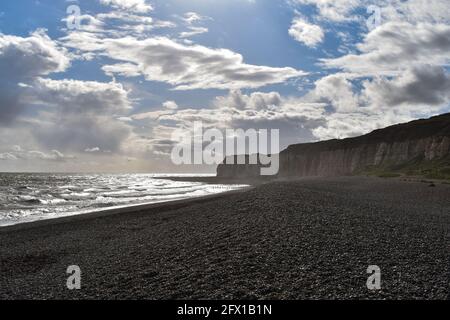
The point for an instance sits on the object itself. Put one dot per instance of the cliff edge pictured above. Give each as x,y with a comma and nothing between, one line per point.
420,147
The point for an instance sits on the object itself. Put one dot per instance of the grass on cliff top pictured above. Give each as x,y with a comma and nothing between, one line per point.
436,169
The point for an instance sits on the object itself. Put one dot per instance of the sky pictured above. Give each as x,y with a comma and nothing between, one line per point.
101,85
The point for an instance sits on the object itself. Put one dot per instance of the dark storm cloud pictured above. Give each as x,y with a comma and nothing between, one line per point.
21,61
426,85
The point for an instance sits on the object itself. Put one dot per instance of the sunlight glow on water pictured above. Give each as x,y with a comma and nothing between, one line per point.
31,197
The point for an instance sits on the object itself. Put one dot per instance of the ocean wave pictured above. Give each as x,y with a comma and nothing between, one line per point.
34,197
28,200
77,196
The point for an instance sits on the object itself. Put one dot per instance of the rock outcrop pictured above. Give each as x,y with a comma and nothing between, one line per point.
416,142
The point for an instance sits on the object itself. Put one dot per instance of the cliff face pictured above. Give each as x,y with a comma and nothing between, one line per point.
339,160
240,171
415,142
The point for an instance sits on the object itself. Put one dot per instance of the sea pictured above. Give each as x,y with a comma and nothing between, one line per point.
27,197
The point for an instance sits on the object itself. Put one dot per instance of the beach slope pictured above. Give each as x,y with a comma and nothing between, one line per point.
305,239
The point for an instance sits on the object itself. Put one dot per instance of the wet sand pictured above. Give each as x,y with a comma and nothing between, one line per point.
305,239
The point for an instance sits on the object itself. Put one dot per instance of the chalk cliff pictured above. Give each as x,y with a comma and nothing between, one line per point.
419,143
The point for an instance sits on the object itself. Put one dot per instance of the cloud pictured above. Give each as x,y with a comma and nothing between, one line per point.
67,114
7,156
153,115
88,97
140,6
170,105
381,101
344,125
116,23
119,23
22,59
181,64
337,91
84,22
192,17
186,67
36,55
397,73
419,92
395,46
81,112
309,34
92,150
54,155
400,70
19,153
413,11
193,31
258,110
255,101
334,10
333,109
73,133
422,85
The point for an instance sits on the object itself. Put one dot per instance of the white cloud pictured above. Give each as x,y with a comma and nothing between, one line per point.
70,113
35,55
344,125
54,155
333,109
153,115
185,67
78,113
74,97
22,59
334,10
413,11
423,85
309,34
118,22
86,22
170,105
192,17
140,6
396,46
18,154
259,110
398,73
418,93
337,91
255,101
193,31
7,156
400,68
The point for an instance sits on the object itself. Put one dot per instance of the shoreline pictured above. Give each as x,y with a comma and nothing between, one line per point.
128,209
284,240
175,204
